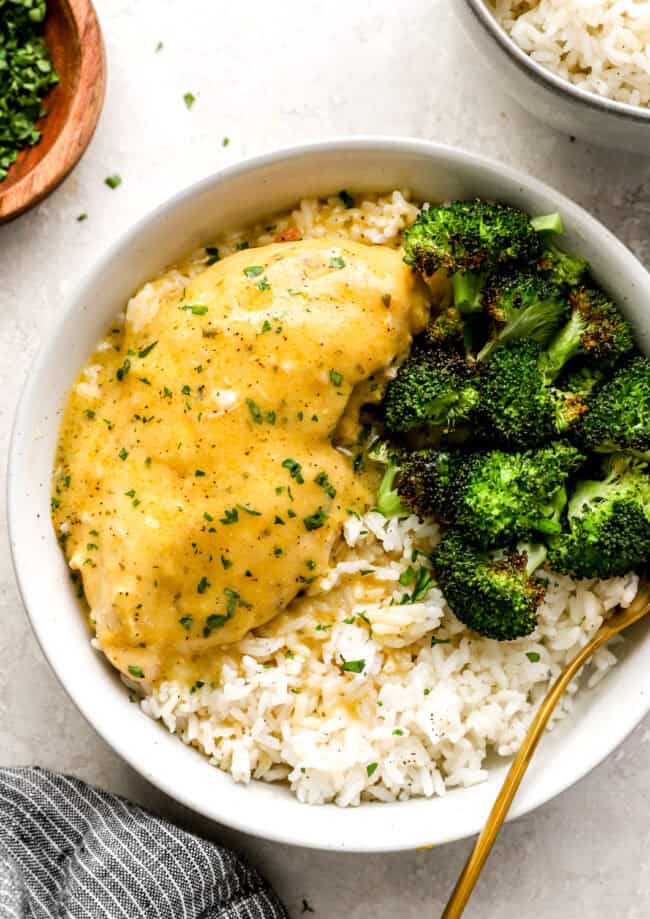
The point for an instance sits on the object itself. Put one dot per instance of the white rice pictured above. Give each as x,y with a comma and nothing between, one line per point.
430,699
603,46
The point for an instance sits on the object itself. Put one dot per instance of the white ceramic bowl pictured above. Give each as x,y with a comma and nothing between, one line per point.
242,193
548,96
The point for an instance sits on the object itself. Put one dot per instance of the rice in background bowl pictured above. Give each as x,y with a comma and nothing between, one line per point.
237,197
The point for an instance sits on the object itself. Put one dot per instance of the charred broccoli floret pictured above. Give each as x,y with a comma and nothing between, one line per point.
522,305
519,409
560,267
434,391
469,239
446,329
595,329
608,523
494,593
494,498
619,413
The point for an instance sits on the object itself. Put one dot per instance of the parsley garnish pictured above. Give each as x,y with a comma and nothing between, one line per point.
335,377
295,469
230,516
249,510
322,480
439,641
346,198
199,473
194,308
337,262
90,413
254,271
316,520
352,666
186,622
136,671
371,769
123,370
148,349
203,585
256,413
123,454
532,656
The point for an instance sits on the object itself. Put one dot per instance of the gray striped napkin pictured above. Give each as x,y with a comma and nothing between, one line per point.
69,850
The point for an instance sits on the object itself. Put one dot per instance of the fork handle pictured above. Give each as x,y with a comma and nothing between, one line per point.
474,865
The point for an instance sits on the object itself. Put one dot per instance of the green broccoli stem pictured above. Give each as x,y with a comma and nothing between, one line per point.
548,223
562,348
388,500
468,287
536,554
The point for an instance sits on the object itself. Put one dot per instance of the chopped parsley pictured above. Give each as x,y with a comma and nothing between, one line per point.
123,370
136,671
335,377
199,473
371,769
123,454
113,181
90,413
213,255
148,349
186,622
266,326
316,520
225,563
407,577
256,412
398,732
196,309
263,284
249,510
352,666
439,641
423,584
230,515
225,142
295,469
203,585
532,656
323,482
189,99
254,271
337,262
208,517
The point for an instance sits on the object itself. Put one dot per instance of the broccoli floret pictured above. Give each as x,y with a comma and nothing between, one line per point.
519,409
560,267
469,239
434,390
447,328
609,523
493,593
522,305
388,499
595,329
494,498
619,413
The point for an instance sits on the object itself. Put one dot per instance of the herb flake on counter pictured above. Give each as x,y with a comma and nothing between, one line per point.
113,181
82,217
189,99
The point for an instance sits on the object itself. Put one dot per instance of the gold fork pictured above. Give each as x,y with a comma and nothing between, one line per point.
618,622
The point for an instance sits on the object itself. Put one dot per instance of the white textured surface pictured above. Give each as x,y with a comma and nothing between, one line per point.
267,75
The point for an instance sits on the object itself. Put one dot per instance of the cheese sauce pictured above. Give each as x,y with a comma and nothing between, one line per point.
199,485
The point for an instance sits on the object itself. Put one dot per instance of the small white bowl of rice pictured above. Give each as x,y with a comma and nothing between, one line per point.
581,66
409,749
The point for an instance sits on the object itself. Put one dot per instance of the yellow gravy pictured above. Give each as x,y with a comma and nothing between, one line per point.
197,488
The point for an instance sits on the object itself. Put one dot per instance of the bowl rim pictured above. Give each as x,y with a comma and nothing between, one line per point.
20,554
548,78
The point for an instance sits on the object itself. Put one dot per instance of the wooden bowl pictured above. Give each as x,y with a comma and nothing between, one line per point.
74,39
